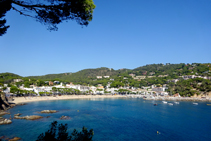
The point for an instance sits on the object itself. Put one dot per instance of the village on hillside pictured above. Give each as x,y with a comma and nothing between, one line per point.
60,88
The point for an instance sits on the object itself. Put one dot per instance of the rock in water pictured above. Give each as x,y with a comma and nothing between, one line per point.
3,113
33,117
65,117
15,139
20,104
5,121
18,114
48,111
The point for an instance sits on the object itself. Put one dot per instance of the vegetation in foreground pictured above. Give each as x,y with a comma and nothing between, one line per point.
59,133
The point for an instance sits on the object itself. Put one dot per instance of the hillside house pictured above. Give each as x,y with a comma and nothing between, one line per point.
133,75
139,77
99,77
158,89
162,75
17,80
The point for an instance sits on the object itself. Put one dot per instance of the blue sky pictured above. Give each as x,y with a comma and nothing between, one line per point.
122,34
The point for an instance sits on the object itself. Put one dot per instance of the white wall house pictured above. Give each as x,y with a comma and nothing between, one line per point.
83,88
158,89
17,80
99,77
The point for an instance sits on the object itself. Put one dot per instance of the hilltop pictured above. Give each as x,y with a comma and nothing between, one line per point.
83,76
175,76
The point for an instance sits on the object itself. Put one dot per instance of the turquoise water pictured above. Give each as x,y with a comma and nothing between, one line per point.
117,119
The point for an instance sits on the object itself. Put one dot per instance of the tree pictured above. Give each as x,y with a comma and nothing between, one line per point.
59,133
49,12
14,89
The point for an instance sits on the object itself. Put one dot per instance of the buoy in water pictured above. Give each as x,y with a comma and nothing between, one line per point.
77,110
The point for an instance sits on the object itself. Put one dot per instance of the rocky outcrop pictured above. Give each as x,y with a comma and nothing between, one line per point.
5,121
65,117
48,111
15,139
33,117
18,114
21,104
3,113
3,102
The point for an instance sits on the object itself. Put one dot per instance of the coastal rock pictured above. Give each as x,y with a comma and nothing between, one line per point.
48,111
21,104
3,102
12,105
5,121
18,114
33,117
3,113
65,117
15,139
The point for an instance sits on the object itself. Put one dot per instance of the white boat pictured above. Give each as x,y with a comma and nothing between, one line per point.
195,103
170,104
164,102
176,102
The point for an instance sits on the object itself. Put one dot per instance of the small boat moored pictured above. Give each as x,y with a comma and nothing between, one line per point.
170,104
164,102
195,103
155,104
176,102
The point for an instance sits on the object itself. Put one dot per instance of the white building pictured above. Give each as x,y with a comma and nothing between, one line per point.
140,77
99,77
158,89
112,90
17,80
83,88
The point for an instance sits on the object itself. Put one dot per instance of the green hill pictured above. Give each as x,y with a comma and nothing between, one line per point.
88,76
8,77
81,75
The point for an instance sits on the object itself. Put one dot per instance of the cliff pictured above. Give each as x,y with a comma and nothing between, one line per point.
4,104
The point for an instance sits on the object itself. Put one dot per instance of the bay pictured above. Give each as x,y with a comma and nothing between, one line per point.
116,119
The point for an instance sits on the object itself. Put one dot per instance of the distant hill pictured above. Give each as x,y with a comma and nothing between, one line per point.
158,68
8,77
80,75
88,76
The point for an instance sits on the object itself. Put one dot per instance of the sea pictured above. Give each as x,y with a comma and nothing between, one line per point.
114,119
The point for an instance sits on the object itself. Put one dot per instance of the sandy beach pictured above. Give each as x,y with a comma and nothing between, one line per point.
18,100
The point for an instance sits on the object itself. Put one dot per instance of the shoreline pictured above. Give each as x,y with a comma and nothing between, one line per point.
19,100
179,99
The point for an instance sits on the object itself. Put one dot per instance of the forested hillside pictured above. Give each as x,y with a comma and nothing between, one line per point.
8,77
81,76
154,74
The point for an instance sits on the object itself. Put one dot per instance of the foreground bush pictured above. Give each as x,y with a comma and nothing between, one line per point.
59,133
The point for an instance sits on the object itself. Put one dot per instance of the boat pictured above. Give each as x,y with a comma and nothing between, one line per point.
209,104
195,103
176,102
155,104
164,102
170,104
